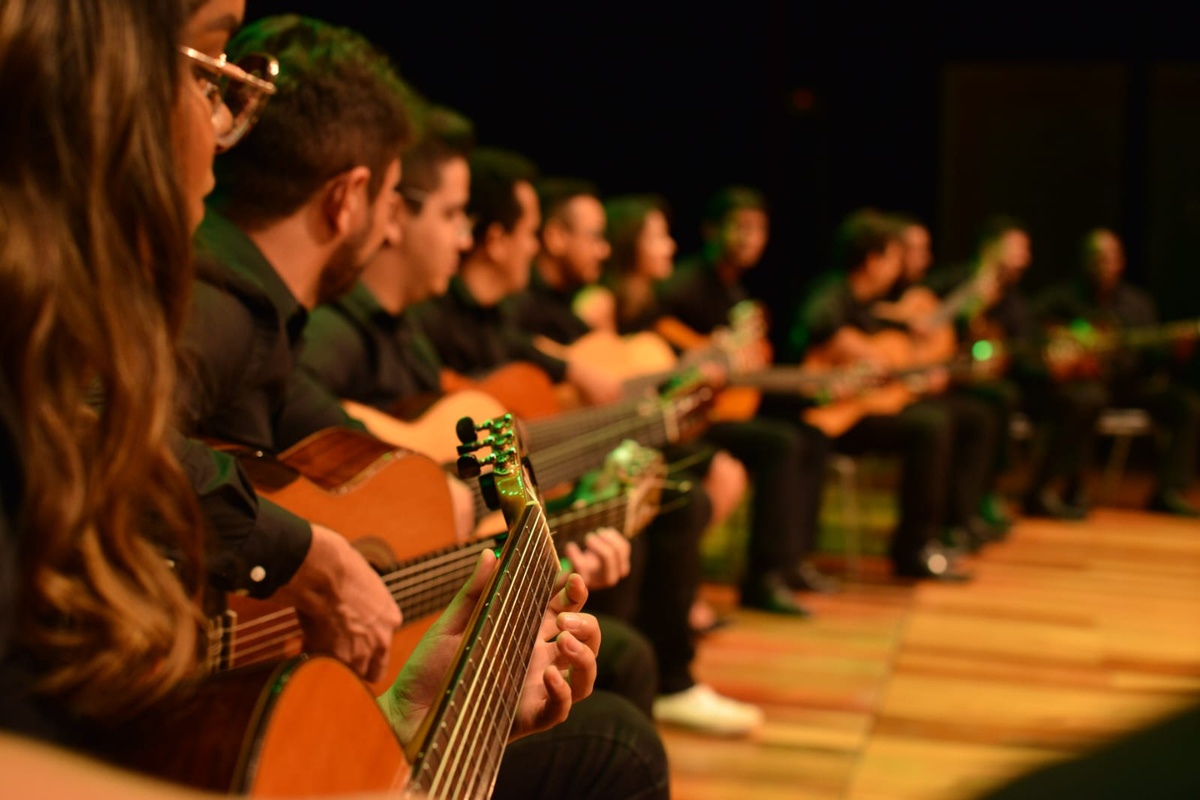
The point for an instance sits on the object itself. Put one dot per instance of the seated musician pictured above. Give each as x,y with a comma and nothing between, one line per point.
945,448
666,558
912,303
1134,377
469,325
1066,411
286,230
101,543
786,462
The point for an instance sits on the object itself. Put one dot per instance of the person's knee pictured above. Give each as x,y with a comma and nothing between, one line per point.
725,484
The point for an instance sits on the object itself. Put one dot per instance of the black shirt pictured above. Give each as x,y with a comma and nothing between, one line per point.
357,350
1126,307
829,307
240,384
473,339
546,311
697,297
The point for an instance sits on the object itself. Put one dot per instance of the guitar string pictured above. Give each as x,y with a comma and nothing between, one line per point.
498,648
410,594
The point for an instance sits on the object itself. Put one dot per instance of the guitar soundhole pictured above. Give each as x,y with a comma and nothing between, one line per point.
377,552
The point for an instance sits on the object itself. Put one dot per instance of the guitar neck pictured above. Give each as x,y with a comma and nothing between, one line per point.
458,750
1156,335
420,586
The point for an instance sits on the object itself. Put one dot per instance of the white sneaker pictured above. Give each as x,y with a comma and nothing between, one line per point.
702,709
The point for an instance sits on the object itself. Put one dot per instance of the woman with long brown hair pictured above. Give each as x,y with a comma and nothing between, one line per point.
93,248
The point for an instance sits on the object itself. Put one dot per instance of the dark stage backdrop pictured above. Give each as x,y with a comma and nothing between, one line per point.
1070,116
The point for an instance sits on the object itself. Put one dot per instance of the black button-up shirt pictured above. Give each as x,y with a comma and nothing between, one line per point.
238,384
474,339
359,351
829,307
1126,307
697,297
546,311
239,349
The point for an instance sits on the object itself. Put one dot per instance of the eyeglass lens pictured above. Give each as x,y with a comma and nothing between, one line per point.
244,101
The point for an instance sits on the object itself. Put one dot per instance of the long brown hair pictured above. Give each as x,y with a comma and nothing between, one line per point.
93,283
626,218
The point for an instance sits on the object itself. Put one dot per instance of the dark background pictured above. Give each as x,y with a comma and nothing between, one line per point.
1067,116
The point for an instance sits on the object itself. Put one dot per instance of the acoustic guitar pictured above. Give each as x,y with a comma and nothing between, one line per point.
307,726
625,496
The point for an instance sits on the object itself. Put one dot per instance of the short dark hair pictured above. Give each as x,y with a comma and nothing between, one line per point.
903,221
863,233
339,104
626,219
996,226
494,176
733,198
556,192
445,135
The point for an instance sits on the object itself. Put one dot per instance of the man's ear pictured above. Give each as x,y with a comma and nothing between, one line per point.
345,200
393,231
495,243
554,237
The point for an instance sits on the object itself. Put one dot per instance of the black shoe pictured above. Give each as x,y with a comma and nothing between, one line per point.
980,532
992,511
807,578
770,593
1172,502
1047,503
957,542
933,563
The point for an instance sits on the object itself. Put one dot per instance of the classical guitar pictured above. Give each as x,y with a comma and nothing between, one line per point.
307,726
1080,349
625,495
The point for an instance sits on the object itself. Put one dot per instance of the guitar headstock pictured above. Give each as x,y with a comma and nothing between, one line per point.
686,400
509,484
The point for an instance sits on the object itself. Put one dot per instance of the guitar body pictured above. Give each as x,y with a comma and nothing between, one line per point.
939,343
300,728
520,387
391,504
893,349
432,434
623,357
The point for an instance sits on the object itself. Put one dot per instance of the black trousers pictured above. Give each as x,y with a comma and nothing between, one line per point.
626,665
1003,399
1066,414
977,433
605,750
922,436
787,462
663,580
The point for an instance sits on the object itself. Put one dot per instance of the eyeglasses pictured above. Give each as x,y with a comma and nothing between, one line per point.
241,89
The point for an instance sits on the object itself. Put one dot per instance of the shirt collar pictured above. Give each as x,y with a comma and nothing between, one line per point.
361,304
229,248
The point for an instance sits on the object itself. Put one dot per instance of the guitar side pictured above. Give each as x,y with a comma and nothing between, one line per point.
303,727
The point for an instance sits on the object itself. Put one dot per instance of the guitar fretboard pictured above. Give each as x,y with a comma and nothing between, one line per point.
461,755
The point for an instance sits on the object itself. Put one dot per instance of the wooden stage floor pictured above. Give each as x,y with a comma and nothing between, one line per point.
1069,634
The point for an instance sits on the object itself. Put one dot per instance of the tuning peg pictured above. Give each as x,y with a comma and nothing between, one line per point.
469,467
466,430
